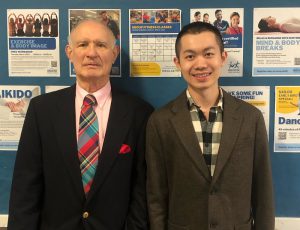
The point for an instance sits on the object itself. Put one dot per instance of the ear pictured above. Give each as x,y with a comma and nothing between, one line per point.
177,62
68,50
224,57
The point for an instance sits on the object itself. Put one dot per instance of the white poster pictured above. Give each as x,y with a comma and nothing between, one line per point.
109,17
276,42
230,23
152,36
33,42
287,119
259,96
14,101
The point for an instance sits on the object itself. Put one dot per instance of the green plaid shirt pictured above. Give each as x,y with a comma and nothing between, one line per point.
209,131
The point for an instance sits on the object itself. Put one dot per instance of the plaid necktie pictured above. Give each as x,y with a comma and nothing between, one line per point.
88,141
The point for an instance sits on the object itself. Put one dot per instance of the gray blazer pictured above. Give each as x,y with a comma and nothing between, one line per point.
182,194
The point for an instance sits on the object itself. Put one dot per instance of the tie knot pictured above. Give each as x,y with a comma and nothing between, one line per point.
89,100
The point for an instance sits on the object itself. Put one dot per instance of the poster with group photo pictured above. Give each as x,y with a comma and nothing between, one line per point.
287,119
152,36
230,22
110,18
14,101
276,42
33,42
258,96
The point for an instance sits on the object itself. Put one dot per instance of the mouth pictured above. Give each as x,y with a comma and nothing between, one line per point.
201,75
92,65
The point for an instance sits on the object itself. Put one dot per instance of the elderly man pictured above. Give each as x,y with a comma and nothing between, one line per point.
80,162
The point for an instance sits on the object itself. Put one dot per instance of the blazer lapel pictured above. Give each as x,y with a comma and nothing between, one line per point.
231,126
117,127
65,129
184,128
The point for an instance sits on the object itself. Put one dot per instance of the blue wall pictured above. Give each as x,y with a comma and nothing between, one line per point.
158,91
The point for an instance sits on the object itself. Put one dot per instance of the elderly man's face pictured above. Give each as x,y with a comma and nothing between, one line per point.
92,51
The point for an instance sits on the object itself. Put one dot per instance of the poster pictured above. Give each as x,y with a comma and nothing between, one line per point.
287,119
109,17
230,22
258,96
14,101
276,42
152,36
33,42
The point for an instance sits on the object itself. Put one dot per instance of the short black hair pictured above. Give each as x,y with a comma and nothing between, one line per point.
217,11
197,13
197,28
264,27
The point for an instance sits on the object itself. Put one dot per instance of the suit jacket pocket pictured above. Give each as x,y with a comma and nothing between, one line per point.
172,226
246,226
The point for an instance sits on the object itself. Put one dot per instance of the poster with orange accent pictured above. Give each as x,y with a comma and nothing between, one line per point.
287,119
152,42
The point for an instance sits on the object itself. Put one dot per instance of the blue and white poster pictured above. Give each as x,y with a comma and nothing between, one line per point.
230,23
276,42
14,101
33,42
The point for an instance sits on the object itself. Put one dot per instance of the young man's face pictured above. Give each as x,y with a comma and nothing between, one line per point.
197,18
200,61
219,15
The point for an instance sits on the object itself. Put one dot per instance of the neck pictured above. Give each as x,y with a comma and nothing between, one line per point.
205,98
92,86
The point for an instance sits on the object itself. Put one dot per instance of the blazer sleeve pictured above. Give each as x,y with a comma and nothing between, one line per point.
27,185
138,216
262,189
157,186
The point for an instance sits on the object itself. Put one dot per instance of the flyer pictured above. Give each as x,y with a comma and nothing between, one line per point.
230,22
287,119
109,17
33,42
258,96
276,42
14,101
152,36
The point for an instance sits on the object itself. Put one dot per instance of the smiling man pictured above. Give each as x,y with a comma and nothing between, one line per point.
80,164
207,152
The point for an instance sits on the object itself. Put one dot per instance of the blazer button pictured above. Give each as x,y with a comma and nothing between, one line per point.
85,215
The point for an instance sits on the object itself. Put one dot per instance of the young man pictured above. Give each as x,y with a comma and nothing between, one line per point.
221,24
80,163
207,152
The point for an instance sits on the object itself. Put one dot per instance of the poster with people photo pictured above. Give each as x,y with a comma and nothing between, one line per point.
276,42
230,22
152,36
110,18
33,42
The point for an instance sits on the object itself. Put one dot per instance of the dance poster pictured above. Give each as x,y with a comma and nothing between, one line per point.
287,119
33,42
276,42
14,101
152,36
109,17
230,23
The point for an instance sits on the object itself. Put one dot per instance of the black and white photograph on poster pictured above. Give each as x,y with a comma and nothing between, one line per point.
230,23
110,18
33,42
276,42
14,102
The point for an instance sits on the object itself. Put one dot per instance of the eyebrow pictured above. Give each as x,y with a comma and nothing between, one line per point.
204,50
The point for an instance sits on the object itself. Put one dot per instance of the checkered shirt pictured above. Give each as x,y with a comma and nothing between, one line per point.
208,132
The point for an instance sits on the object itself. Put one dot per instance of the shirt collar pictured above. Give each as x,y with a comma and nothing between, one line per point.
191,102
101,95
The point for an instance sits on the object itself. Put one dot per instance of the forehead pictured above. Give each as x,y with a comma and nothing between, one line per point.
199,41
92,30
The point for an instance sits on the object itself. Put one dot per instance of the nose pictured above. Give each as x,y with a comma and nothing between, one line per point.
200,63
91,51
